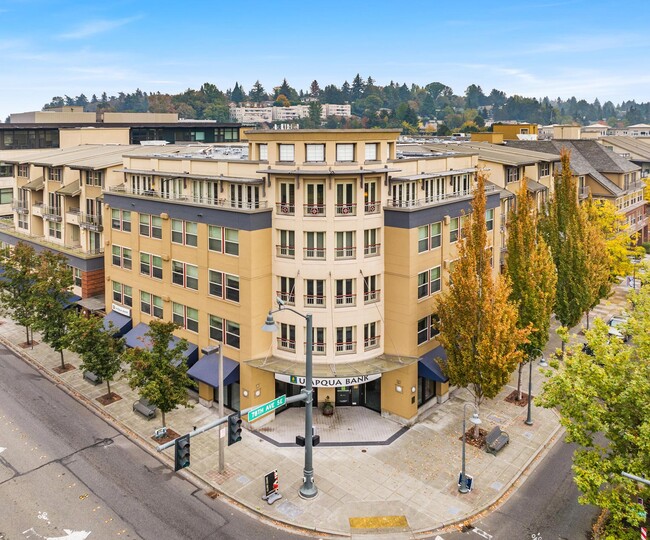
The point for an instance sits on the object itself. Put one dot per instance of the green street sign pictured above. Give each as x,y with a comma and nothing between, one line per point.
267,408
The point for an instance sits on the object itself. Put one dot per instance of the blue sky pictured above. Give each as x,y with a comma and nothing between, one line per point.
586,48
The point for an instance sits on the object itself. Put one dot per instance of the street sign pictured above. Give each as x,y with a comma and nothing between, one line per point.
469,480
267,408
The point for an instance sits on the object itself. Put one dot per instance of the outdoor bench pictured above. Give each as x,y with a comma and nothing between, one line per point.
92,378
496,440
146,409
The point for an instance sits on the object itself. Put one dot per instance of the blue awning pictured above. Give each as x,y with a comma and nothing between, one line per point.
136,338
121,323
70,300
429,368
206,370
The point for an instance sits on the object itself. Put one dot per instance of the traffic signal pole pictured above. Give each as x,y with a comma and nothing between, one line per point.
221,450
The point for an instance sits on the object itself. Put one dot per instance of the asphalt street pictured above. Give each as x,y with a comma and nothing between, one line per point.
65,473
545,507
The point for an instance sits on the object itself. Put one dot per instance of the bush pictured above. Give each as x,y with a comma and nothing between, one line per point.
646,246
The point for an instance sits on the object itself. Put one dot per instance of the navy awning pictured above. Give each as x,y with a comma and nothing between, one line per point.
136,338
70,300
429,368
206,370
121,323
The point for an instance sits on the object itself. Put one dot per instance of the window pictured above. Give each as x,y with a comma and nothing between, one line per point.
427,328
216,328
151,226
315,152
454,224
435,231
371,198
121,220
55,174
423,239
287,291
184,232
315,245
185,317
345,296
345,339
94,178
263,152
434,189
315,194
151,304
76,276
544,169
345,197
318,340
370,336
222,237
23,170
232,334
512,174
232,331
54,229
315,292
287,204
151,265
122,294
6,195
345,248
428,282
344,152
287,246
287,337
216,282
286,152
371,289
122,257
372,151
371,242
489,219
185,275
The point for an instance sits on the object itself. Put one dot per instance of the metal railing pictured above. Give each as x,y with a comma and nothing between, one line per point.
345,209
90,221
287,297
371,296
203,201
315,210
346,346
288,252
285,208
371,250
371,342
372,207
52,213
286,344
433,199
19,206
345,252
346,300
314,253
314,300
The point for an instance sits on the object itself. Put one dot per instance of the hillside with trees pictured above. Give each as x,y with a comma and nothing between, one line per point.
393,105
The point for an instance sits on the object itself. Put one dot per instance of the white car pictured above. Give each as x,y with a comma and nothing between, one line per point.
614,327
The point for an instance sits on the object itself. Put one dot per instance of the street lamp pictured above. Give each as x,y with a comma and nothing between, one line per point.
542,363
308,490
476,421
210,350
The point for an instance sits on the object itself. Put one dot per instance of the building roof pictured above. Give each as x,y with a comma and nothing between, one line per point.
506,155
73,154
632,145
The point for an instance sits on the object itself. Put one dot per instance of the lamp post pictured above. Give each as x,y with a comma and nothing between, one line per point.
209,350
308,490
476,421
542,363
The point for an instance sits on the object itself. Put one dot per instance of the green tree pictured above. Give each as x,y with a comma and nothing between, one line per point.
478,321
257,93
603,404
17,284
51,299
99,348
315,111
237,94
562,229
314,89
159,373
356,92
529,265
598,262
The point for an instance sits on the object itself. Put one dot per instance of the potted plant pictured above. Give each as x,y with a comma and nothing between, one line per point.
328,408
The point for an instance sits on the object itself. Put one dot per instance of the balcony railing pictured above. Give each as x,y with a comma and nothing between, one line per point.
345,252
314,210
314,253
371,296
318,348
433,199
287,344
314,300
346,209
583,192
372,207
285,208
52,213
371,250
345,300
287,297
288,252
20,207
203,201
346,346
371,342
91,222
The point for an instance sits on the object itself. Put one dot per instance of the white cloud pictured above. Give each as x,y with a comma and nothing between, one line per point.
91,28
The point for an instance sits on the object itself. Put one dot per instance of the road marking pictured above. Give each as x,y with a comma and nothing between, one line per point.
70,535
482,534
2,449
378,522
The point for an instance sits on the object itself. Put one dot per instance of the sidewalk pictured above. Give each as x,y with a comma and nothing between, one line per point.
410,475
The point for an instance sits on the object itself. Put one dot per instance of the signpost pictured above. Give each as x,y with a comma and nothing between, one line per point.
266,408
271,487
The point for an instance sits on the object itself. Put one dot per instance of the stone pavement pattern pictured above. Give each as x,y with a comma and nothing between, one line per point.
414,476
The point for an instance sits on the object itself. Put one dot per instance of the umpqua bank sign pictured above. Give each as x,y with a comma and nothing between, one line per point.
328,382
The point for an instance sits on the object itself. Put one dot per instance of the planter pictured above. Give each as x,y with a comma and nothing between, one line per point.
328,409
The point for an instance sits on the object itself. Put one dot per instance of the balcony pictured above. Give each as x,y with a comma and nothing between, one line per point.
286,344
37,209
285,209
345,209
434,199
583,192
371,342
318,348
314,210
370,297
288,298
314,253
346,347
91,222
286,252
314,300
52,213
72,216
372,207
342,253
20,207
371,250
345,300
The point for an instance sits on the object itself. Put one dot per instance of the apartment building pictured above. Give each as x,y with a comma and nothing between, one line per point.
253,115
330,222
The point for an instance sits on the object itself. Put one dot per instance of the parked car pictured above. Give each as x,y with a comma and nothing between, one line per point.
614,327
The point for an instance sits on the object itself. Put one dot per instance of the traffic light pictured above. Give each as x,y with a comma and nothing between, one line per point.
182,452
234,428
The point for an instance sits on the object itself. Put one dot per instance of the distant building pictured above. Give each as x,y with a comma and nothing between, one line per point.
636,130
514,131
258,115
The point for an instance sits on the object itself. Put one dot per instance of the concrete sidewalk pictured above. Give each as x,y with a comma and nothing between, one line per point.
411,474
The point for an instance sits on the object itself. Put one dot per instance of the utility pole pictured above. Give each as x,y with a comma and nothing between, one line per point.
221,449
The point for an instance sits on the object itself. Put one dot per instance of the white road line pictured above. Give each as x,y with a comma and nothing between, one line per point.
482,534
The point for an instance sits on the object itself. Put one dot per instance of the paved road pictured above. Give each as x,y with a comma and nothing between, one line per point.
545,507
64,470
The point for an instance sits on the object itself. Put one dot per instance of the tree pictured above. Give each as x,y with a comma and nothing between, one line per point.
100,350
597,262
257,93
237,94
159,373
315,111
602,399
314,89
562,229
358,85
530,268
51,299
17,284
477,319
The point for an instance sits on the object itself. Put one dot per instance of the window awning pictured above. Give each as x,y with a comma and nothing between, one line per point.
429,368
534,187
206,370
35,185
121,323
71,300
71,190
136,338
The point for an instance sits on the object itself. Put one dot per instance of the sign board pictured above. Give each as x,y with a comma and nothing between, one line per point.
469,481
267,408
327,382
121,310
271,484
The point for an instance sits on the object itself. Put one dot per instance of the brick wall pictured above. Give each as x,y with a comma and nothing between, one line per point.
92,283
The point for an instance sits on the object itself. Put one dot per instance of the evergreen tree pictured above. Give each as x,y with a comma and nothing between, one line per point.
358,85
315,111
257,93
314,89
477,319
346,91
530,268
237,95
